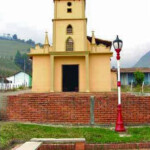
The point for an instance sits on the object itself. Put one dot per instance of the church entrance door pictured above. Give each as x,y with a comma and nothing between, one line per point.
70,78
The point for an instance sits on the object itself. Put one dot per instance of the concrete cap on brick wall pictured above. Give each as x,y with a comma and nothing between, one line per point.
30,146
62,140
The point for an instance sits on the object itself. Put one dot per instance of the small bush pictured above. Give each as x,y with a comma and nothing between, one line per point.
21,87
139,77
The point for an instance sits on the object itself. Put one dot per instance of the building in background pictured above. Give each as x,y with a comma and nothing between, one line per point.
75,61
3,83
15,81
127,75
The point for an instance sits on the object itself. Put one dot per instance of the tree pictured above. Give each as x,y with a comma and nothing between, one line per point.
15,37
23,62
30,41
139,77
27,64
18,58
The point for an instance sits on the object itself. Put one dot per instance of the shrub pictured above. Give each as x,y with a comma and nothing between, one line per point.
139,77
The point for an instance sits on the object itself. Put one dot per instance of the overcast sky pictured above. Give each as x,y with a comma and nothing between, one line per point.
130,19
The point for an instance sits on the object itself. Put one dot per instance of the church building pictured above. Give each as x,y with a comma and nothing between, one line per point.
75,62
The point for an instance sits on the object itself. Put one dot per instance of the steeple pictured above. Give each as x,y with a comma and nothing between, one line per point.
69,21
93,38
46,39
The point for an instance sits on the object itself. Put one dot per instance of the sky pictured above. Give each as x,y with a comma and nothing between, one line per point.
130,19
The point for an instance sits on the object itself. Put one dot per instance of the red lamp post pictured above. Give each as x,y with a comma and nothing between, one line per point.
119,123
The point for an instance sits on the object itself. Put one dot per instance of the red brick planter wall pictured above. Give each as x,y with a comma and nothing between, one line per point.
57,147
117,146
74,108
95,146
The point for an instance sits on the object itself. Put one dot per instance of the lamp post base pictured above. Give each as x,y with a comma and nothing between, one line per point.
119,123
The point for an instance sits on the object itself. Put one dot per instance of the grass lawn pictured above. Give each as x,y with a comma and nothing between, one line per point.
23,132
135,89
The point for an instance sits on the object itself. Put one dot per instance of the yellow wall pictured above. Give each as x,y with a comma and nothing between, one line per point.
102,48
41,74
78,36
59,61
100,79
100,75
78,10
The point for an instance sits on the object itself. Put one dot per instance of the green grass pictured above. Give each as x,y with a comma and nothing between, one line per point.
9,48
135,89
24,132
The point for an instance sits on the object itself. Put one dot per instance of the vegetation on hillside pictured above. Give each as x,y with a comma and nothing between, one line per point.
23,61
15,38
9,46
8,67
13,132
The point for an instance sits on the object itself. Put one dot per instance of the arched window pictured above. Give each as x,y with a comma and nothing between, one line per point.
69,29
69,44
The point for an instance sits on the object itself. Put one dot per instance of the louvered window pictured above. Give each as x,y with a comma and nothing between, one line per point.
69,44
69,29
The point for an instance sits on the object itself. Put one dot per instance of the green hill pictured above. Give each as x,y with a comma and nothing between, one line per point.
144,61
8,67
8,49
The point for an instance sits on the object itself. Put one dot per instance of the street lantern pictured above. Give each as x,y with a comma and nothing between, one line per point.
119,123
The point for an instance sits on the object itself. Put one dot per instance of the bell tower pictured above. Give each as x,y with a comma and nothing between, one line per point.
69,26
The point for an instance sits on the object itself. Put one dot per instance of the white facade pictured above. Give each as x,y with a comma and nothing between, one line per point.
17,80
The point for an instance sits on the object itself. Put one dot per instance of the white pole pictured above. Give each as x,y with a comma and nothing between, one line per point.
119,87
143,87
24,72
131,85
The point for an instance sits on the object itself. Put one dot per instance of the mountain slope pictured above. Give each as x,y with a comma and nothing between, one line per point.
144,61
8,48
8,67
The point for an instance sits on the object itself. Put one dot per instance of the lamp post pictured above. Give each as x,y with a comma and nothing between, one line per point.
119,123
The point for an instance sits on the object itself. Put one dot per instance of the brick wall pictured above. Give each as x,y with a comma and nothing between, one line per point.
96,146
57,147
75,108
117,146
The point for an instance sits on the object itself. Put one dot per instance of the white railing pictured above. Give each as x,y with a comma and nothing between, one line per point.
10,86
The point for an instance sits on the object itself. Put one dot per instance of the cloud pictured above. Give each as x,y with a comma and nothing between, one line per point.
128,18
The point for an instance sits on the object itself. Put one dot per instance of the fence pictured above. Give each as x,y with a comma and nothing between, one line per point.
10,86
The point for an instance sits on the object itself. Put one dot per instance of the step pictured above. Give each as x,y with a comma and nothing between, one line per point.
61,140
30,146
